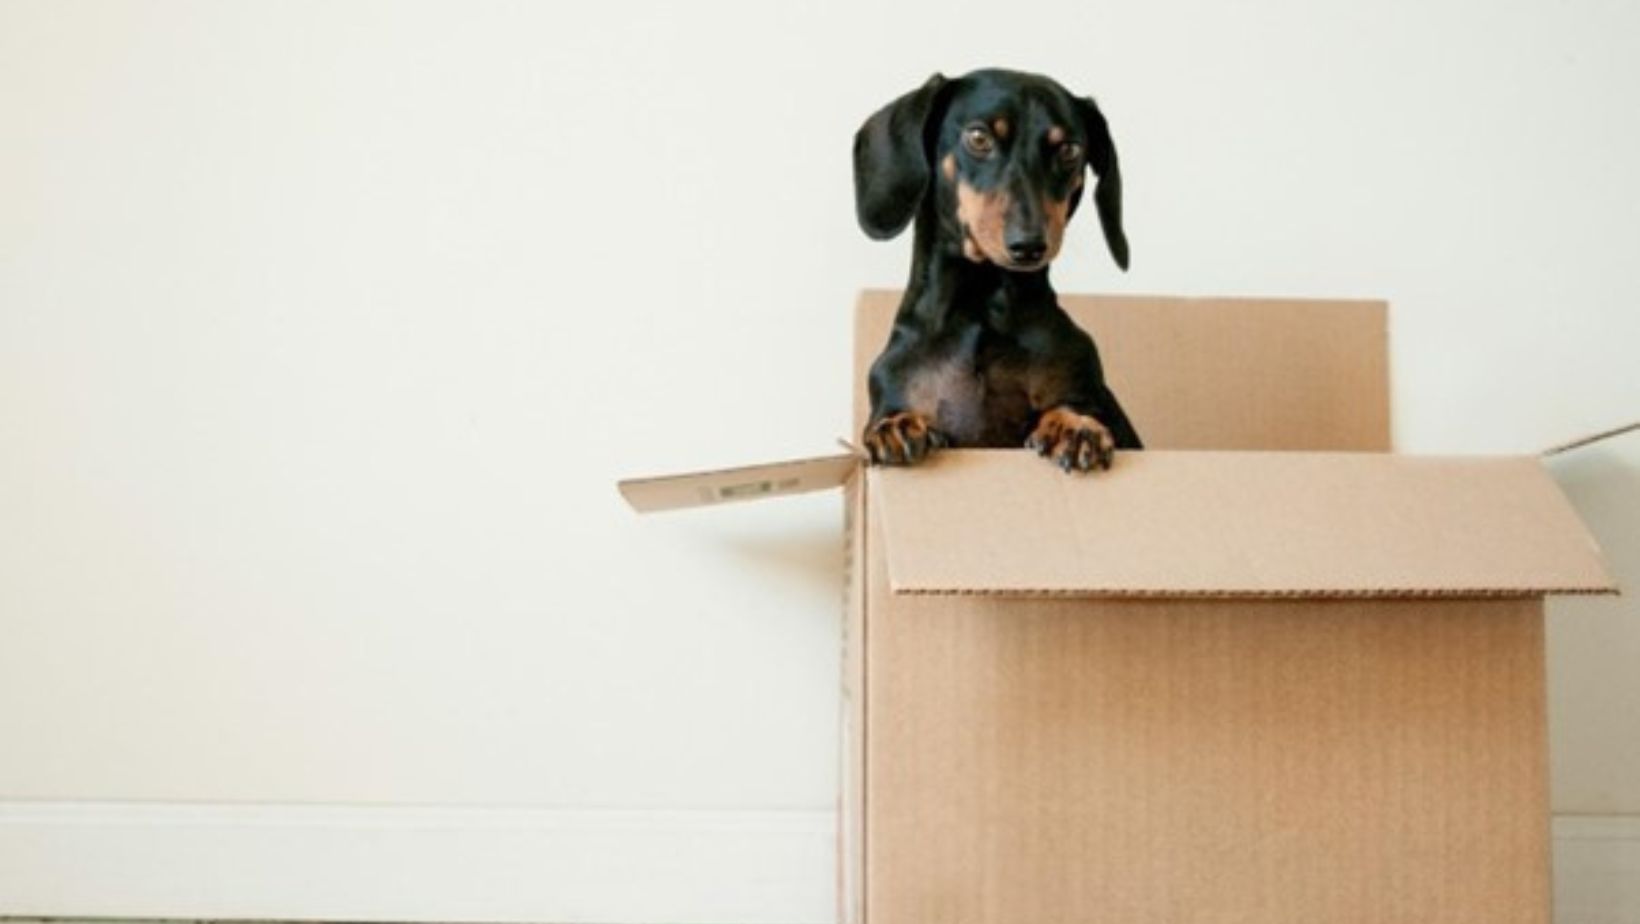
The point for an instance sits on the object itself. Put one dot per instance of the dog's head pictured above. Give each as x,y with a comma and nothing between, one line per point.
1000,154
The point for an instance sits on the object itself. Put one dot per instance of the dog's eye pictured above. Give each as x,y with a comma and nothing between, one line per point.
978,140
1070,153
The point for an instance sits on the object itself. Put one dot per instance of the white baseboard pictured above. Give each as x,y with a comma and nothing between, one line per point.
394,863
1597,869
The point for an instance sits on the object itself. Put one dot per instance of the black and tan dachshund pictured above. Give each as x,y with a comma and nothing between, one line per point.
990,167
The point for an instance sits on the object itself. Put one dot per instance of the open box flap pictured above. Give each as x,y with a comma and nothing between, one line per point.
1234,524
1305,375
750,482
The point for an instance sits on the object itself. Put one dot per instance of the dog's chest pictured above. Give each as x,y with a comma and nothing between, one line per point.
977,389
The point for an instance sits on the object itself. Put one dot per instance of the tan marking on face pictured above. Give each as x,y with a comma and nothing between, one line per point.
983,216
999,127
1056,135
1055,214
948,166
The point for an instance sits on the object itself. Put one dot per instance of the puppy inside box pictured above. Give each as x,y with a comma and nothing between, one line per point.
1256,671
990,166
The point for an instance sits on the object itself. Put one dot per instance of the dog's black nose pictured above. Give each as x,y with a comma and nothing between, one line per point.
1027,249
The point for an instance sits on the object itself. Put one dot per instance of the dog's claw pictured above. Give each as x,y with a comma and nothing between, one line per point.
905,438
1074,442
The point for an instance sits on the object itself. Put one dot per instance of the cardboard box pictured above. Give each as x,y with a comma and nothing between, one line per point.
1263,671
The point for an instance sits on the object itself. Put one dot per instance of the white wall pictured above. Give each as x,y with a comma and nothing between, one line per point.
325,330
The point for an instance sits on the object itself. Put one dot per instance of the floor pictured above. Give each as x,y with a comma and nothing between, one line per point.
1597,876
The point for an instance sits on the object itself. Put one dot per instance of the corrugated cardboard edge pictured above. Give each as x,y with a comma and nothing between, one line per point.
1381,593
851,796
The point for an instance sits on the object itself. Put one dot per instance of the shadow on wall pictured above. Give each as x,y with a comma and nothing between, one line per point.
810,557
1603,483
1594,642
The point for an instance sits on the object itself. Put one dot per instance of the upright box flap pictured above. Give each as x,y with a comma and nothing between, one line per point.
726,485
1234,524
1307,375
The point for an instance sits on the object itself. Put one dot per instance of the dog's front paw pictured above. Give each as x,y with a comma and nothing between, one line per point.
1075,442
901,439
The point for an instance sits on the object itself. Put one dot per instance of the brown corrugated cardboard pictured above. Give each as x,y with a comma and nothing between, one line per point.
1223,685
743,483
1164,761
1226,524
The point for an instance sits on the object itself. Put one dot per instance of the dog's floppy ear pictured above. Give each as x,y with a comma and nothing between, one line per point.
1107,193
891,161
